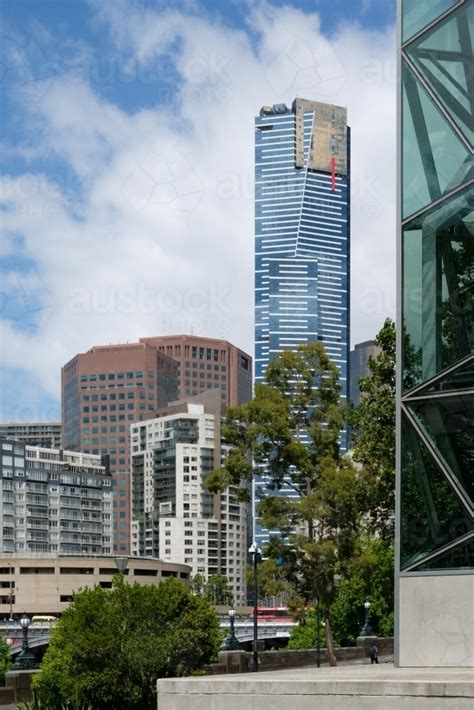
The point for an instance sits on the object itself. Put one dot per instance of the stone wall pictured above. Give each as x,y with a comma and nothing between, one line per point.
17,688
241,661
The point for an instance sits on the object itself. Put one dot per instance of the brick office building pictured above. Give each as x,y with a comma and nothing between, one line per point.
207,363
102,392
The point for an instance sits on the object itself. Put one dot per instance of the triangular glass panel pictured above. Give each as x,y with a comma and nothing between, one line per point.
435,160
417,15
459,557
448,421
456,380
444,57
438,288
431,514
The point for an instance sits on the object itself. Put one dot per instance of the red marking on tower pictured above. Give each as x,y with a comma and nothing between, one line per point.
333,173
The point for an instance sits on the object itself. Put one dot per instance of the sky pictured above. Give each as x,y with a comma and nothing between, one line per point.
126,191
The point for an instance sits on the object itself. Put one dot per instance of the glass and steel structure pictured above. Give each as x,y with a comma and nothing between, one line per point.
435,501
302,230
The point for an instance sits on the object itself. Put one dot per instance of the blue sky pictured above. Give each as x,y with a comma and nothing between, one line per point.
63,32
127,167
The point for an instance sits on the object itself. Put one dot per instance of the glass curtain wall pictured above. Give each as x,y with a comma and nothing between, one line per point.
302,242
436,524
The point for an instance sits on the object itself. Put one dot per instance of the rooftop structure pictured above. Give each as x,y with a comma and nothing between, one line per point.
208,363
45,434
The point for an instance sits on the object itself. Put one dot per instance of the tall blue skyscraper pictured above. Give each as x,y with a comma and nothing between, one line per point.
302,236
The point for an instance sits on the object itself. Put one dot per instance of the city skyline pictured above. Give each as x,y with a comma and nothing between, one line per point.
124,218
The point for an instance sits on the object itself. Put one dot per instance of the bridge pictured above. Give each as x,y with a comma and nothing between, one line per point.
39,633
267,628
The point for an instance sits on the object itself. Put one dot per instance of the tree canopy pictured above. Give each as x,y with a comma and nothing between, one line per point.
5,659
373,435
291,430
216,590
110,646
305,634
370,577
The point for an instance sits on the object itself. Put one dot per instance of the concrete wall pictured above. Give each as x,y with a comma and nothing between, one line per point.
356,687
241,661
17,688
45,584
437,621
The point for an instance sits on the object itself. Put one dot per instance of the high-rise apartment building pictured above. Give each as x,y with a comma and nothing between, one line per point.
45,434
174,517
54,501
207,363
103,391
302,235
435,356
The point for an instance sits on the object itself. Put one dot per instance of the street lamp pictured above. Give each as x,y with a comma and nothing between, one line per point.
231,642
256,558
318,632
121,564
366,630
25,659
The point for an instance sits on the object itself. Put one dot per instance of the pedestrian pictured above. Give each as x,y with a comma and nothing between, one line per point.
374,653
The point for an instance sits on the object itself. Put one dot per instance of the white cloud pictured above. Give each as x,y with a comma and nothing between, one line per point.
160,238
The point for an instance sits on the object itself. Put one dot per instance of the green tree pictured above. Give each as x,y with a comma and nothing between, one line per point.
304,635
197,584
369,578
110,646
292,428
5,659
272,583
217,590
373,433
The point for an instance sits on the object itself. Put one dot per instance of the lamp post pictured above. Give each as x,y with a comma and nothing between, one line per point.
25,659
318,631
121,563
231,643
366,630
256,558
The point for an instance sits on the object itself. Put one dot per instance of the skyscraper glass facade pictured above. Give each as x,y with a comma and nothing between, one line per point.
302,219
436,379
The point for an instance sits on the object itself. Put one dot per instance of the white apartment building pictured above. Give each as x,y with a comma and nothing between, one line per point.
174,517
54,501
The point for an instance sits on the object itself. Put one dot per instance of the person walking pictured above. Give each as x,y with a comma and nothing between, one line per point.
374,653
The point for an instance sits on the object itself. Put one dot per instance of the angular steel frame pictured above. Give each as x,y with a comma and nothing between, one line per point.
401,222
